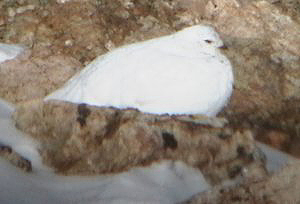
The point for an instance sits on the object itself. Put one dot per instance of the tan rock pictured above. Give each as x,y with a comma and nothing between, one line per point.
264,64
279,188
263,45
277,139
30,76
15,159
81,139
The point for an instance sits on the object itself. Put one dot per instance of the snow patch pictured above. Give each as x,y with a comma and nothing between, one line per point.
8,52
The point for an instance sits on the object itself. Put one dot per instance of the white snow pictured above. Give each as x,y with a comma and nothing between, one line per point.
275,159
176,183
183,73
8,52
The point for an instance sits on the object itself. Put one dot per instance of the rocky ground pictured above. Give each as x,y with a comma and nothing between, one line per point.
279,188
263,39
14,158
87,140
262,36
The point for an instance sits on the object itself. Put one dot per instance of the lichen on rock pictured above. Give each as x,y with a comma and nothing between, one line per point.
87,140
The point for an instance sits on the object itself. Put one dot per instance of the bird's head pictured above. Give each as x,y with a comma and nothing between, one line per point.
202,34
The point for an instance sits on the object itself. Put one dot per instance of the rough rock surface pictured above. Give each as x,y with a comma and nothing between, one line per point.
75,32
263,45
262,35
279,188
264,48
14,158
82,139
32,76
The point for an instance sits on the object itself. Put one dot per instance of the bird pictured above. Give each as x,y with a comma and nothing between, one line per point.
181,73
9,51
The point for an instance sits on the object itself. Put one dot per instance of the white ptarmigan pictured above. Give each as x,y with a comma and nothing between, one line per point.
182,73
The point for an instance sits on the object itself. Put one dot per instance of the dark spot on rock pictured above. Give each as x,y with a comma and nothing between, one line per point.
169,140
113,124
83,113
236,198
4,148
63,166
81,121
224,135
234,171
241,151
25,164
208,41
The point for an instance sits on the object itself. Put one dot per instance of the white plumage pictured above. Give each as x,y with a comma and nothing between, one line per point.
182,73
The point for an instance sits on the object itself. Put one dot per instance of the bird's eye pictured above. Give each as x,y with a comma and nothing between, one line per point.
208,41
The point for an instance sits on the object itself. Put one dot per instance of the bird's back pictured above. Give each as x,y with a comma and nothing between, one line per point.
158,76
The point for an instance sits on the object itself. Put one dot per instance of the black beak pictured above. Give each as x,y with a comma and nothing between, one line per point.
223,47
